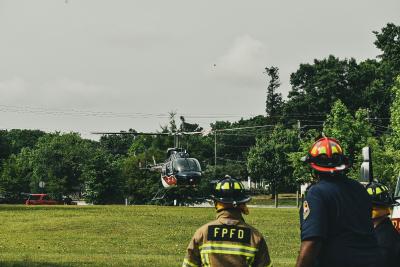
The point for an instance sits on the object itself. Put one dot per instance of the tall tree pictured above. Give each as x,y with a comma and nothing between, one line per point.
268,160
118,144
141,184
172,123
59,160
5,147
351,131
274,100
301,171
23,139
317,86
189,127
13,141
395,115
16,175
388,41
102,180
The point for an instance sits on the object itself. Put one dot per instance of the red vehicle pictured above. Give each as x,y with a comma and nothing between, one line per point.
40,199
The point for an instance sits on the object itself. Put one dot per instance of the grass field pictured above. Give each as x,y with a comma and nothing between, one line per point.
124,236
284,200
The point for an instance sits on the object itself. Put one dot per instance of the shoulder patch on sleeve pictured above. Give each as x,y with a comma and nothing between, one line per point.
306,210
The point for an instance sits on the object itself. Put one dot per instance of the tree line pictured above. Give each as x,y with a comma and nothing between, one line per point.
356,102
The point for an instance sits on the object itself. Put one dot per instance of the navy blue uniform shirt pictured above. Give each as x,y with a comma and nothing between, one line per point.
389,243
337,210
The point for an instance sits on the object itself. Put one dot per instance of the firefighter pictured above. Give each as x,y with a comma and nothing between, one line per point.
229,240
335,218
387,236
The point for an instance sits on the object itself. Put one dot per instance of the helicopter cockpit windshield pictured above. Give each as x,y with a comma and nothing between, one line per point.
186,165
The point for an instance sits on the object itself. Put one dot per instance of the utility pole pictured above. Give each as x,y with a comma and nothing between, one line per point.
215,149
298,191
215,154
299,127
275,193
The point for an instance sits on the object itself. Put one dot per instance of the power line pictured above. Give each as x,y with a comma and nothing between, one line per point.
311,125
231,160
248,135
312,121
243,128
112,114
234,146
379,125
376,118
380,131
77,112
73,112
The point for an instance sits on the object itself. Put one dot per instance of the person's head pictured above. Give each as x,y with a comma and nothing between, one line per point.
381,199
229,193
326,158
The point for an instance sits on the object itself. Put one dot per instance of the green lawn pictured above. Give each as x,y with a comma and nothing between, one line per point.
124,236
284,200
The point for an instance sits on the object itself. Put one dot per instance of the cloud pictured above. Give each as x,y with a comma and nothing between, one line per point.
59,93
243,62
72,92
13,88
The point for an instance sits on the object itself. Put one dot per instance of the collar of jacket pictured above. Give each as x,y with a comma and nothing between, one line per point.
230,216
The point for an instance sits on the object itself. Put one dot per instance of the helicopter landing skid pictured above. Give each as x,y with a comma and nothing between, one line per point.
160,194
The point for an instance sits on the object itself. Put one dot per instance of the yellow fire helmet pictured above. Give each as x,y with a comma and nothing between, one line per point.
380,194
230,191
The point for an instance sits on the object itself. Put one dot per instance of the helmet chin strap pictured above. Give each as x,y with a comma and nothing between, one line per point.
320,175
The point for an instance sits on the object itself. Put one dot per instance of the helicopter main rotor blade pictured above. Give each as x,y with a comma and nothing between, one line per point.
191,133
156,168
128,133
134,133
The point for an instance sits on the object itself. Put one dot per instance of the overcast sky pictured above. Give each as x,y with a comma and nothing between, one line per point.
88,65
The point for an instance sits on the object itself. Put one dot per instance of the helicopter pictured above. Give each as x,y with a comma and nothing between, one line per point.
179,169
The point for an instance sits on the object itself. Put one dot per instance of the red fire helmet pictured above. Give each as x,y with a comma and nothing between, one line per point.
326,155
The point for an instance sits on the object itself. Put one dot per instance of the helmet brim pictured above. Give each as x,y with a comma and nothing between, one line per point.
382,204
329,169
228,200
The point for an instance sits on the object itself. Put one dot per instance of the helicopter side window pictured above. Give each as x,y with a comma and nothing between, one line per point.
194,165
198,165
